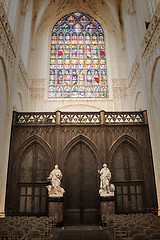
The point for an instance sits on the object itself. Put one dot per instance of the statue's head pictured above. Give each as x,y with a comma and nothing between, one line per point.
104,165
56,166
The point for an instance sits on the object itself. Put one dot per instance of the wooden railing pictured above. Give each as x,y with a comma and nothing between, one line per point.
80,118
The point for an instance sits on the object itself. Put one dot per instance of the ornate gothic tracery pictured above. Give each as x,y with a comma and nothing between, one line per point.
77,58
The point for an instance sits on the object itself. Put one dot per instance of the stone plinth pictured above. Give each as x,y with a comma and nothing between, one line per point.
107,204
55,209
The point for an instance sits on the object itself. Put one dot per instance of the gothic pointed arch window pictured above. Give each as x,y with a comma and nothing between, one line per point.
77,58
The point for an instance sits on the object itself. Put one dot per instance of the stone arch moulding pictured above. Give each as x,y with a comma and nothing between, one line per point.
136,100
134,144
26,146
74,142
153,75
6,78
18,96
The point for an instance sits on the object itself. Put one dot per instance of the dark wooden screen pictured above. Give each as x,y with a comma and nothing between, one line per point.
80,143
129,180
81,185
33,172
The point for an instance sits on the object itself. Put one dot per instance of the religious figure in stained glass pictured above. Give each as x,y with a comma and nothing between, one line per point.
94,39
101,39
102,52
82,76
53,51
74,51
67,52
89,77
74,38
71,20
74,77
81,38
84,20
96,76
81,51
88,51
60,51
60,39
54,39
88,39
67,38
77,58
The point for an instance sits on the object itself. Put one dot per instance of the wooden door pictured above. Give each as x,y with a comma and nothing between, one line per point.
128,179
81,203
32,190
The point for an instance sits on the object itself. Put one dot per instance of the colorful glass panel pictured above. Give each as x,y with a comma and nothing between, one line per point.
91,28
81,38
77,27
77,58
71,20
67,38
84,20
64,28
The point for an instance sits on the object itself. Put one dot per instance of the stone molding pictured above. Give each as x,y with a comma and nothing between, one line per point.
37,83
148,37
149,47
131,7
23,71
8,51
7,29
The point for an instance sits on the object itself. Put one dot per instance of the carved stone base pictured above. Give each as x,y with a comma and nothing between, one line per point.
2,215
55,209
107,204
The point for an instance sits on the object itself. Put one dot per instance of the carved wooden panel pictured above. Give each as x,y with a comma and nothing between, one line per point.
80,145
81,186
128,179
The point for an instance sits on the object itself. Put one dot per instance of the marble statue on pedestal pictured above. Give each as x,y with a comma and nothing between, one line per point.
106,189
55,177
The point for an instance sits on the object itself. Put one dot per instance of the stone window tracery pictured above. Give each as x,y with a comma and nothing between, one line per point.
77,58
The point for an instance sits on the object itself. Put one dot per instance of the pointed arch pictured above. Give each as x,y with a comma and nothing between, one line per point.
26,146
77,140
138,95
133,143
153,73
6,78
73,35
154,84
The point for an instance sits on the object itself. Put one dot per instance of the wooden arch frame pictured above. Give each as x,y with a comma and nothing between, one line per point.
74,142
146,168
14,168
133,143
27,145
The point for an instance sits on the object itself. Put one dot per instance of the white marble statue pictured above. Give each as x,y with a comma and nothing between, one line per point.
55,179
105,187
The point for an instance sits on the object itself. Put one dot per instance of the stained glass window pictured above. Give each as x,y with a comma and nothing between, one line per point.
77,58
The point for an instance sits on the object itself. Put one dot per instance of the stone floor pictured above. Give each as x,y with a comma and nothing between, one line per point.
80,233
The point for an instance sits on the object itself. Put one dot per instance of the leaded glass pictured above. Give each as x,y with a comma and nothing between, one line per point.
77,58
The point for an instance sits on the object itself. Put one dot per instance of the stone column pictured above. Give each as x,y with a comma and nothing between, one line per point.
58,117
55,209
107,205
102,117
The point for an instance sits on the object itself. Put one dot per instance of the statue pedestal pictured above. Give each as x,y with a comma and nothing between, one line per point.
107,204
55,209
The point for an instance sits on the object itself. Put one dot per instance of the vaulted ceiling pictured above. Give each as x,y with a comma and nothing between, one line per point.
48,12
